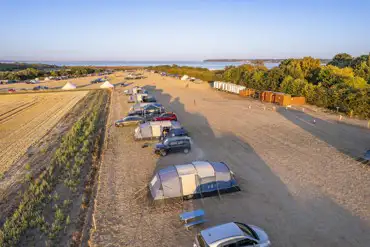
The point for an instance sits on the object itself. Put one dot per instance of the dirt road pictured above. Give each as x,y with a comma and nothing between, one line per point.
299,180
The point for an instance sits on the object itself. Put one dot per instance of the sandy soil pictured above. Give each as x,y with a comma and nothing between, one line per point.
81,83
299,180
24,119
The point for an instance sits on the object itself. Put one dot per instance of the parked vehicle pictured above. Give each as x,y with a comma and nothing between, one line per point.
166,116
173,144
129,120
232,234
175,132
40,88
139,97
149,98
11,90
153,130
142,106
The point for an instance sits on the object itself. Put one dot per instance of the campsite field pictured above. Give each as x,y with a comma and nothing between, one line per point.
299,181
25,118
81,83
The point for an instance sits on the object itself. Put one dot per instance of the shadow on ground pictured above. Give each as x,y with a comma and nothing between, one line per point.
264,200
350,140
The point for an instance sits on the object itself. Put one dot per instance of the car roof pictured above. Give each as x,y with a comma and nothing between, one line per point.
219,232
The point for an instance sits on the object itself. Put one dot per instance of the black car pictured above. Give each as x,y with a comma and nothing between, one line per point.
149,99
175,132
40,88
173,144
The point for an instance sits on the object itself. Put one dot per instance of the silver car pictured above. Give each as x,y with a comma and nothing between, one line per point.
233,234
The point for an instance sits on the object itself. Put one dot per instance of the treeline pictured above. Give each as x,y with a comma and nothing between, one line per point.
200,73
21,66
343,83
31,73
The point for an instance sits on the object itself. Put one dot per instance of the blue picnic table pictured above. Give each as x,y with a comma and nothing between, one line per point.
196,216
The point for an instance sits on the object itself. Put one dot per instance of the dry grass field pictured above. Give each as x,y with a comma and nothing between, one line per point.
25,118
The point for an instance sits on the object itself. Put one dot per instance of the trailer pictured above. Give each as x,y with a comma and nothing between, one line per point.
154,130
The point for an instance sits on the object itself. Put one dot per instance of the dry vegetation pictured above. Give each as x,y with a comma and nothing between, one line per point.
24,119
52,206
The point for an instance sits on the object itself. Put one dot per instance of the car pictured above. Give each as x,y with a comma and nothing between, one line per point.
233,234
129,120
149,99
166,116
11,90
40,88
173,144
175,132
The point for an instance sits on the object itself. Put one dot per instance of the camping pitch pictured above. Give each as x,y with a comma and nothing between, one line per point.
69,86
196,178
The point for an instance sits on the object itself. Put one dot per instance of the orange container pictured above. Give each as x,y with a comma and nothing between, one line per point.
282,99
298,101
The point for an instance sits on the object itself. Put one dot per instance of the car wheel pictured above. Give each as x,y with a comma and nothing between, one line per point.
163,153
186,150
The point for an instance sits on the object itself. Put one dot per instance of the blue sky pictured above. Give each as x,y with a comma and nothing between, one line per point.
181,30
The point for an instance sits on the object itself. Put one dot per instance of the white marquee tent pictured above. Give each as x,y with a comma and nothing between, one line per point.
106,84
69,86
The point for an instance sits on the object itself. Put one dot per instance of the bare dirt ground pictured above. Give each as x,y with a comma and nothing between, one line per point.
26,118
81,83
299,180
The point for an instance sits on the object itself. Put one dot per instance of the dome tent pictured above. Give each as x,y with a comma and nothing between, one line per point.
69,86
196,178
106,84
185,77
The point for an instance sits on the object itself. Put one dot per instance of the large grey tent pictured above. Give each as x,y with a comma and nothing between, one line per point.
189,179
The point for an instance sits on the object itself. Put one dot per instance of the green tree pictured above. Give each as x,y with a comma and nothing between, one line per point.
341,60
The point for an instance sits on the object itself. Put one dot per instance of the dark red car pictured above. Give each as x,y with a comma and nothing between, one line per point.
167,116
12,90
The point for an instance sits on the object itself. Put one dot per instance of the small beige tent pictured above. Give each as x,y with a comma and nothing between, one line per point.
69,86
185,77
106,84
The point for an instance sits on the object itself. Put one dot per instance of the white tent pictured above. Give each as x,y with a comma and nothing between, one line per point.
106,84
69,86
185,77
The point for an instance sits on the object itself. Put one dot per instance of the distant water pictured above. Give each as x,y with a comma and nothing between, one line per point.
208,65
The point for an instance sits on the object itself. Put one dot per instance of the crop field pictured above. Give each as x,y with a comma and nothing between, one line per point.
45,193
26,118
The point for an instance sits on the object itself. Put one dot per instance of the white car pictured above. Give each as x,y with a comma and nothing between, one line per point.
233,234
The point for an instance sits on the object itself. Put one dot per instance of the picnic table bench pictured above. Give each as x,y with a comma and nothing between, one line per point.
195,218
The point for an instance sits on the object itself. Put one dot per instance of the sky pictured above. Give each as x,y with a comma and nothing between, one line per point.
191,30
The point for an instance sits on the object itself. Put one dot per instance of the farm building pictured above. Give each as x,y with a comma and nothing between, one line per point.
191,179
69,86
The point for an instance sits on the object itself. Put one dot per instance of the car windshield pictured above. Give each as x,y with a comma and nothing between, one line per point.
201,241
247,230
